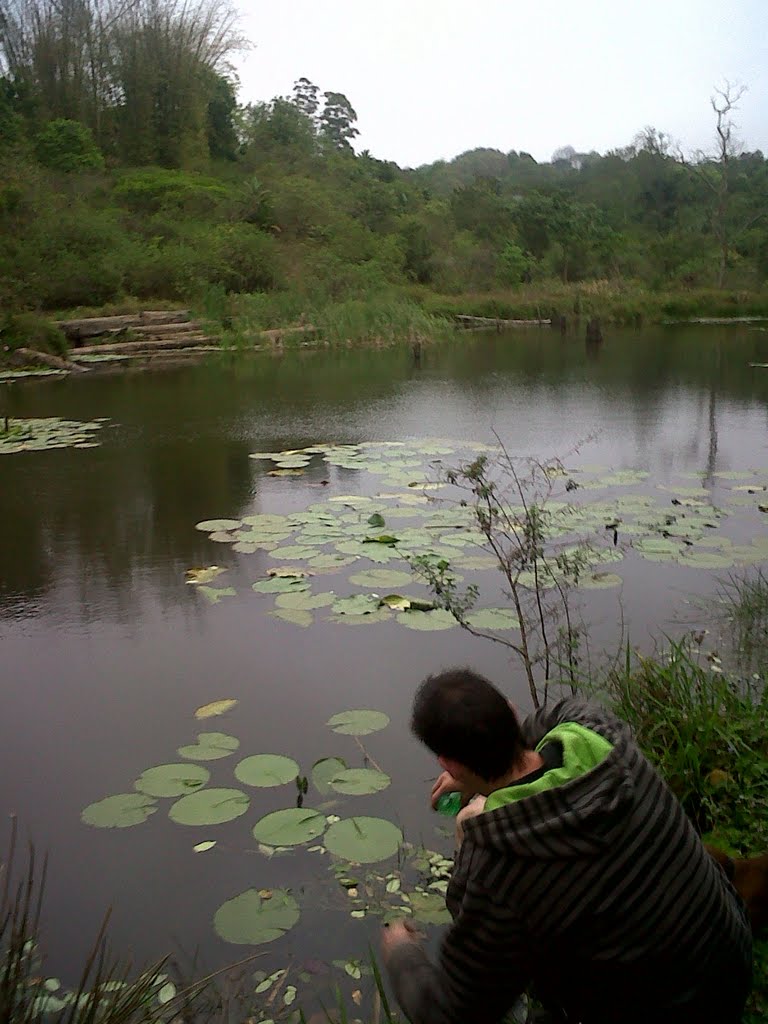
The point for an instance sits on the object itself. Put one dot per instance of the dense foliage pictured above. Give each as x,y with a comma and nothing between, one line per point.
129,169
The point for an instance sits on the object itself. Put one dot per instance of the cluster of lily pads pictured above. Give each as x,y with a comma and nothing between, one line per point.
374,538
36,435
261,915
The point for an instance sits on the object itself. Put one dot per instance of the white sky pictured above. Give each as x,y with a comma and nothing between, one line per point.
432,78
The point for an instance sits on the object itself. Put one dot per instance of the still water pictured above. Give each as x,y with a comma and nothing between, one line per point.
105,653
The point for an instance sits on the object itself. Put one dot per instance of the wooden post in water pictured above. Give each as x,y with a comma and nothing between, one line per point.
594,330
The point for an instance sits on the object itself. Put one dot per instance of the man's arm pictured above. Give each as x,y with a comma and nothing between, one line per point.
483,967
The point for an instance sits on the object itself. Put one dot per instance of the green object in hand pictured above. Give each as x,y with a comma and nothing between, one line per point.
449,804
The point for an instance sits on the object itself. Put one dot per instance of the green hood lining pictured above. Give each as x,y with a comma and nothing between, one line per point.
583,750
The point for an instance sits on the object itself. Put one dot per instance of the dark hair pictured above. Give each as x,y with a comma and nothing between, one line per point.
461,715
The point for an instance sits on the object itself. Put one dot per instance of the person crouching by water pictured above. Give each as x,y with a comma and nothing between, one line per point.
578,877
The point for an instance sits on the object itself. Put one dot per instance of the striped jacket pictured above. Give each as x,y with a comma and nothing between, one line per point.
597,896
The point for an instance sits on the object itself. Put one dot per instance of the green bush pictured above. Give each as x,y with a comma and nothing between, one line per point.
27,330
240,258
152,189
67,146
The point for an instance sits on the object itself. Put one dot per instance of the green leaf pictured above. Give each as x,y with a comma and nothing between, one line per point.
216,707
429,908
209,807
359,781
381,579
296,616
289,827
358,604
380,615
358,723
306,601
395,602
266,770
363,840
216,594
166,993
493,618
218,525
204,847
376,520
439,619
249,920
330,563
384,538
324,770
210,747
171,779
197,576
295,552
280,585
119,811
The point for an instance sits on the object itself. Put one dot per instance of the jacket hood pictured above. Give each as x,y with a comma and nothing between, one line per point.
576,819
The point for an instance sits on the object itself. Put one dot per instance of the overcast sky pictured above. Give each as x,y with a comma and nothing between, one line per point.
432,78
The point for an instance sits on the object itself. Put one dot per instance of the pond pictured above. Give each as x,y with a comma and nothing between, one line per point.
108,652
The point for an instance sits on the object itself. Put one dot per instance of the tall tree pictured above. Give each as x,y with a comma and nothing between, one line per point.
337,121
306,96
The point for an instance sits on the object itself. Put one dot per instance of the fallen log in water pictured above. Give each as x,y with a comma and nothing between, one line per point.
497,322
94,326
25,356
147,345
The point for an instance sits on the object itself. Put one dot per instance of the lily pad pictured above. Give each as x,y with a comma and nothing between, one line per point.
119,811
205,846
359,781
197,576
358,604
493,618
296,616
358,723
324,770
216,594
305,600
218,525
395,602
171,779
706,560
429,908
330,563
210,746
295,551
280,585
380,615
376,520
290,827
363,840
435,620
250,920
600,581
209,807
216,707
266,770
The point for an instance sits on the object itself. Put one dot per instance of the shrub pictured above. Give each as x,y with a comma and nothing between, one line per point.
240,258
27,330
67,146
154,188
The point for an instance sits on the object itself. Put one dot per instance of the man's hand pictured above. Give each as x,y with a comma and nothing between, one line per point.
474,807
396,934
447,784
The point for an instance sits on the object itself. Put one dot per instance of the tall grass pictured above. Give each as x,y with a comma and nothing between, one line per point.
706,732
745,602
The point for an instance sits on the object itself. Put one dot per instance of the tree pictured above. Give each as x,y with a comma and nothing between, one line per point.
220,126
337,122
724,102
67,146
306,96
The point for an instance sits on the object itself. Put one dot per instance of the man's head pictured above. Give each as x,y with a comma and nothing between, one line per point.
463,719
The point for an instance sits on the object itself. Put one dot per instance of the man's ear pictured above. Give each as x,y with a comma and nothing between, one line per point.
455,768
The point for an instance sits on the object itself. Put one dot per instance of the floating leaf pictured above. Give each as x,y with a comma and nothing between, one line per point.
439,619
266,770
296,616
380,615
280,585
376,520
209,807
396,602
381,579
171,779
305,600
706,559
359,781
358,723
600,581
384,538
210,746
295,551
216,594
216,707
330,563
289,827
203,575
119,811
249,920
493,618
288,572
204,847
218,525
324,770
429,908
363,840
358,604
166,993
